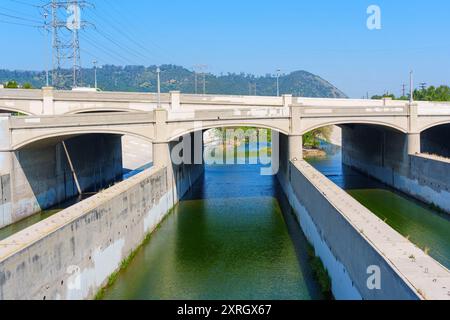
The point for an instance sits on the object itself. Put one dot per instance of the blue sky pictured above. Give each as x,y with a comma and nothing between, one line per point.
325,37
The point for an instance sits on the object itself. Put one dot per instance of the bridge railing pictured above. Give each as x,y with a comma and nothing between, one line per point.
213,100
109,96
339,108
80,120
229,113
26,94
426,108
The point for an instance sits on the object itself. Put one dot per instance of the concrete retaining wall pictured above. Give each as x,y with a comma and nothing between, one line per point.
350,239
71,255
382,154
40,176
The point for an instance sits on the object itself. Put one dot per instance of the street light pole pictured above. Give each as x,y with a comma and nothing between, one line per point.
46,51
158,72
278,82
95,73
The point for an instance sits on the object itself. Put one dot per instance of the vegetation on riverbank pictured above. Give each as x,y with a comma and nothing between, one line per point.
126,262
320,272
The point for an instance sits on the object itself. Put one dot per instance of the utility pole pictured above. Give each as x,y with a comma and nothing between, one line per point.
195,81
278,82
95,73
403,90
66,24
411,87
423,85
47,81
158,72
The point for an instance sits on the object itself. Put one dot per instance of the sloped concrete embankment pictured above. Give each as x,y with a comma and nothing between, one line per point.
72,254
354,244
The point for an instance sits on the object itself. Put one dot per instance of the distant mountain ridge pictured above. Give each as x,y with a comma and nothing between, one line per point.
141,79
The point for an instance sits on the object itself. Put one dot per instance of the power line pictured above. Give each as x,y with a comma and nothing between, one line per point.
25,3
120,31
19,18
17,12
130,23
110,53
20,24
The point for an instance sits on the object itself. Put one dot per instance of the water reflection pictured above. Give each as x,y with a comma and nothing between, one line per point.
231,237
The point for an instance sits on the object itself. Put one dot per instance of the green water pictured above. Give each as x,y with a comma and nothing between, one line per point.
231,237
425,227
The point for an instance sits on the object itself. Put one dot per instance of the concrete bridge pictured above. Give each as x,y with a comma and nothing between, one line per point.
64,141
51,114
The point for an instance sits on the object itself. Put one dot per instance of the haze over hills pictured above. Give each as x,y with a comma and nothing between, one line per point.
140,78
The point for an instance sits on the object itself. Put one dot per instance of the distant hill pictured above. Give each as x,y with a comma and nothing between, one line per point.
140,78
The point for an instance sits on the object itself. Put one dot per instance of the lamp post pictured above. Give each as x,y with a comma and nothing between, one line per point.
278,82
158,72
47,82
95,74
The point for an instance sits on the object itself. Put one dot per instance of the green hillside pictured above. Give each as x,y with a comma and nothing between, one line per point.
140,78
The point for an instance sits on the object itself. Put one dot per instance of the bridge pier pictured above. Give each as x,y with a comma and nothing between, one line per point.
414,143
161,154
295,147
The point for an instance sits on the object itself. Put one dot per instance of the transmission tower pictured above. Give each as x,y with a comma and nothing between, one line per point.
65,25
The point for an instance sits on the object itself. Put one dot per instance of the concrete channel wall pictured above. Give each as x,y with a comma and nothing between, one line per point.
353,243
40,176
72,254
382,154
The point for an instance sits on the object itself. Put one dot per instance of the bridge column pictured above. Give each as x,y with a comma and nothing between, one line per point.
413,143
161,148
295,136
47,101
295,147
413,134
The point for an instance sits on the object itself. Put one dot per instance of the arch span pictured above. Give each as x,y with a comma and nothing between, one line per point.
13,110
349,122
435,125
101,110
178,134
60,136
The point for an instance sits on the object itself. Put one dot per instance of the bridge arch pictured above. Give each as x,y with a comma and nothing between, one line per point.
177,134
101,110
4,109
349,122
434,139
434,125
60,136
